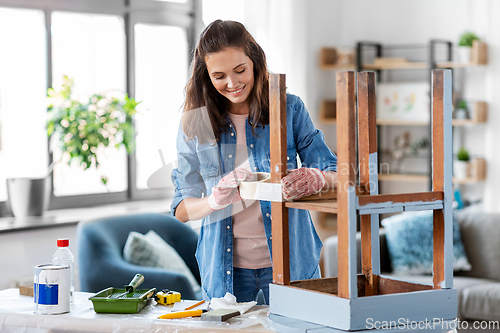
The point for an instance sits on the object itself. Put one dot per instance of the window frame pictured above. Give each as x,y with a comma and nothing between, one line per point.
185,15
150,18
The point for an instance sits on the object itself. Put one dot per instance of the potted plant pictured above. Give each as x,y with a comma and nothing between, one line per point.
465,46
461,164
461,112
28,196
82,126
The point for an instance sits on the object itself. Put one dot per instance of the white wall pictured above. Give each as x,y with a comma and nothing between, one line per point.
280,28
484,18
324,26
22,250
345,22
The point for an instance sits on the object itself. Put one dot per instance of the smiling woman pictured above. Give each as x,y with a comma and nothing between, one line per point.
223,138
203,89
236,83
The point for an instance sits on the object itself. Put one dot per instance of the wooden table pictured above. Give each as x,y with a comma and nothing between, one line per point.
16,315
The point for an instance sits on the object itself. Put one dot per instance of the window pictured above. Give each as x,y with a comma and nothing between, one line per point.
23,81
138,47
91,50
161,75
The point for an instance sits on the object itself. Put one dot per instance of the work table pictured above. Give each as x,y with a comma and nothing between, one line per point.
16,314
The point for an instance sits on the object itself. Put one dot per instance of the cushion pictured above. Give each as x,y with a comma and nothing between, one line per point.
481,302
151,250
409,241
460,283
480,232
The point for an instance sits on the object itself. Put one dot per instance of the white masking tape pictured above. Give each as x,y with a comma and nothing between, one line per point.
261,188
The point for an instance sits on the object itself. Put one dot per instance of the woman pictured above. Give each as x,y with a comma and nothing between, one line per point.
223,138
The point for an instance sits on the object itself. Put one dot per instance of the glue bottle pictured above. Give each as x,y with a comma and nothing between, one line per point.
63,256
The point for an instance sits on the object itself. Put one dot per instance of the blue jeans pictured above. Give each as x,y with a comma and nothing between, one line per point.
248,282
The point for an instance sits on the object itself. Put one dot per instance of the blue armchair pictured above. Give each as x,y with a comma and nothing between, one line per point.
100,253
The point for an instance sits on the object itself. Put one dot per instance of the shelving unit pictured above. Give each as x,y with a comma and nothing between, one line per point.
466,122
329,60
403,177
424,178
338,67
414,65
401,122
396,65
327,113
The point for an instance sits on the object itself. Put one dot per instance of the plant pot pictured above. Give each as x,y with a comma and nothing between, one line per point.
28,196
461,169
464,54
461,114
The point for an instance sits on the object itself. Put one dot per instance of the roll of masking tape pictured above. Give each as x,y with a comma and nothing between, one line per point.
259,187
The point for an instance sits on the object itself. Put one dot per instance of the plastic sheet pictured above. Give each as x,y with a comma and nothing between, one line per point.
16,316
229,302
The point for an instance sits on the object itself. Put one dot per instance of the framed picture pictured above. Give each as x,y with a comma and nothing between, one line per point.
403,101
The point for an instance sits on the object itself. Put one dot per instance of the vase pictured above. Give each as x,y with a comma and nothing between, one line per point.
461,169
461,114
29,196
464,53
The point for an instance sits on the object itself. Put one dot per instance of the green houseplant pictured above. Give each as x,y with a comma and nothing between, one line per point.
467,38
461,165
461,111
463,155
465,45
82,125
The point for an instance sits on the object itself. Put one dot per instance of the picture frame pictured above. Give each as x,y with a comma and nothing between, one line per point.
408,101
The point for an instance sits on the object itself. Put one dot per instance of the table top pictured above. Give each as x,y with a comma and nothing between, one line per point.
16,314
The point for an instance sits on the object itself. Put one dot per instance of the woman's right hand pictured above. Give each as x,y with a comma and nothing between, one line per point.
226,192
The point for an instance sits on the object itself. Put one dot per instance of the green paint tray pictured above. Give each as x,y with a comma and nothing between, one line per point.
124,300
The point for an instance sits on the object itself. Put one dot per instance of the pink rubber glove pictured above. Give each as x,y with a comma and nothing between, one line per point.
302,182
226,192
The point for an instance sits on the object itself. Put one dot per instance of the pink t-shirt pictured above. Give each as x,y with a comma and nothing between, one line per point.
250,248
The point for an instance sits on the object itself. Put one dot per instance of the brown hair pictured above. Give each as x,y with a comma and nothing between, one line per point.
201,93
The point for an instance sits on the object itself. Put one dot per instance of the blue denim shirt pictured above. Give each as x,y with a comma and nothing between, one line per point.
201,166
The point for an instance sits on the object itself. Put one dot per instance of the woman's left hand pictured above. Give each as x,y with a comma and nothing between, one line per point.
302,182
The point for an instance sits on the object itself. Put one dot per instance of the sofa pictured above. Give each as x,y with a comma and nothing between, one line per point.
101,244
478,289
